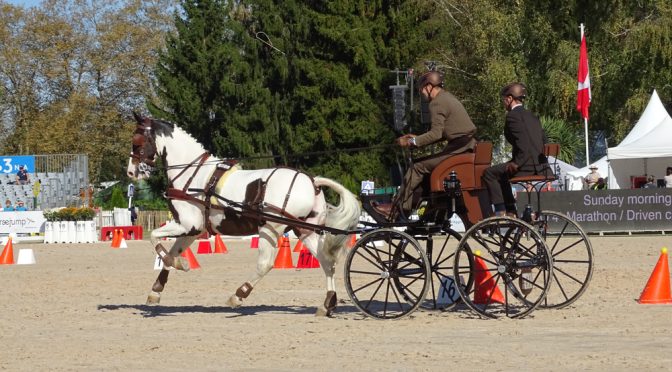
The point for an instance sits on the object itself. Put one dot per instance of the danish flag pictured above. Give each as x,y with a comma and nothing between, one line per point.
583,91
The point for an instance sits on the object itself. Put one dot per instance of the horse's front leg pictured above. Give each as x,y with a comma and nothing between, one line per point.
268,249
172,258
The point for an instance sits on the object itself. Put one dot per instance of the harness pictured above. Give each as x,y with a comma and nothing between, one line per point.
253,211
253,206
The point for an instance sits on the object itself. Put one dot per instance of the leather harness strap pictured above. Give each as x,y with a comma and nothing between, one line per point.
209,192
201,159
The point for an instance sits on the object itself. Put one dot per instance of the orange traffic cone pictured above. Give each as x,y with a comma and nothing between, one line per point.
204,247
220,247
307,260
352,241
254,243
284,258
485,290
657,290
7,257
116,238
189,255
299,247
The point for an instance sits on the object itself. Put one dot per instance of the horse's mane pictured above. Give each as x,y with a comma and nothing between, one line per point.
166,128
163,127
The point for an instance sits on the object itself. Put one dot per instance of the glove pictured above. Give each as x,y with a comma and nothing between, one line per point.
511,168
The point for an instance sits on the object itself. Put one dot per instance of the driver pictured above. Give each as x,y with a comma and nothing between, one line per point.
449,122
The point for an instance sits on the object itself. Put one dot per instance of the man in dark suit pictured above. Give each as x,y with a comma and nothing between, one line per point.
523,131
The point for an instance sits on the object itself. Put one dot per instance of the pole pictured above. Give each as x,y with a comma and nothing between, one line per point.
585,120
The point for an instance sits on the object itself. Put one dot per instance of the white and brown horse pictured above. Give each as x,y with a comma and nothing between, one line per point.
209,194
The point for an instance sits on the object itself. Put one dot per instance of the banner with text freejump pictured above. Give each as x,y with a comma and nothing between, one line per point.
610,210
21,222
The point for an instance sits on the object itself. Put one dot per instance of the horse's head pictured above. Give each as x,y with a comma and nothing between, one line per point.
144,153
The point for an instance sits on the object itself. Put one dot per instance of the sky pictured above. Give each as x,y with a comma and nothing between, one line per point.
26,3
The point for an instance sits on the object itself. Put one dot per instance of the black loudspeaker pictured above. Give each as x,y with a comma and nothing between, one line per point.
399,106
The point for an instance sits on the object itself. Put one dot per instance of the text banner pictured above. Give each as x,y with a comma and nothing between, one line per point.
610,210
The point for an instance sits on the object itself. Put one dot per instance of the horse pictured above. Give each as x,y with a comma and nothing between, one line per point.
206,193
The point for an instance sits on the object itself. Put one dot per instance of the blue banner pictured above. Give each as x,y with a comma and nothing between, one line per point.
10,164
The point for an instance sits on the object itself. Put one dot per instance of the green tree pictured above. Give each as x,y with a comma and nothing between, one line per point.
117,200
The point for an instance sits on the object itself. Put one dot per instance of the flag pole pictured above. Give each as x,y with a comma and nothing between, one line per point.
585,120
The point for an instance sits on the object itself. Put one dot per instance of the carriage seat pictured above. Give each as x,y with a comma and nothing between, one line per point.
550,149
468,166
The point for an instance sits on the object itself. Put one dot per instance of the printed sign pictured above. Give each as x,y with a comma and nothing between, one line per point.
367,187
610,210
21,222
10,164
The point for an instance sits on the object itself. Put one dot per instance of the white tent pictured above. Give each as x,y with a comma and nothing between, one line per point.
642,151
575,178
646,150
562,168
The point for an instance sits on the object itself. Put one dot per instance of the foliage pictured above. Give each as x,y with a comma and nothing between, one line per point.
569,136
72,70
117,200
70,73
69,214
158,204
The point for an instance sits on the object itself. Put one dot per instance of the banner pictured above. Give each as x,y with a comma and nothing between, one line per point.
610,210
22,222
10,164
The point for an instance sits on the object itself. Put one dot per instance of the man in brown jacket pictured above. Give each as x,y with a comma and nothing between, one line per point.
449,121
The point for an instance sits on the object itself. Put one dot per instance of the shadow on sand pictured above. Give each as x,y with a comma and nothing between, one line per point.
150,311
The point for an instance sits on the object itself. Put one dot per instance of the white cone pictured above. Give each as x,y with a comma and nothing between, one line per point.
26,257
123,244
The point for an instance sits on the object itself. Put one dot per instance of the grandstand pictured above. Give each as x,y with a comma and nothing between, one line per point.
62,177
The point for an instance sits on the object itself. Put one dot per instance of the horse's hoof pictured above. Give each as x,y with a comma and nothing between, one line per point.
153,299
181,263
322,312
234,301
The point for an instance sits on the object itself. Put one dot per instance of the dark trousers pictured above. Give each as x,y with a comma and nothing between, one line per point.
496,179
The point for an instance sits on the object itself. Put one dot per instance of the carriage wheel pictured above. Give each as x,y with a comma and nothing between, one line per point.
512,267
386,274
442,293
572,258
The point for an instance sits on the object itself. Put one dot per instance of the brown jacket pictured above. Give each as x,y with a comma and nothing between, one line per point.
450,121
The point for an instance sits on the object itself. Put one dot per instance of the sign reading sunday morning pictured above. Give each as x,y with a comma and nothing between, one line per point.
10,164
610,210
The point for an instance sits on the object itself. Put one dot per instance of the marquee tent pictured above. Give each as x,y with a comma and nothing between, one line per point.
647,149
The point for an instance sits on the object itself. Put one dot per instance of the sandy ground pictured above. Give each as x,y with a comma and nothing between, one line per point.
82,307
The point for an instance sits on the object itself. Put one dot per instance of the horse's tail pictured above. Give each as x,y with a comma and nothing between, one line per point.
343,216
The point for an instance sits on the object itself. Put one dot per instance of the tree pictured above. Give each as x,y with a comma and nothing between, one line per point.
70,73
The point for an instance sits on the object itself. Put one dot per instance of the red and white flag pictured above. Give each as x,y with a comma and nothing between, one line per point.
583,91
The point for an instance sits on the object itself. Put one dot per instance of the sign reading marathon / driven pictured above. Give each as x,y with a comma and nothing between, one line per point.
610,210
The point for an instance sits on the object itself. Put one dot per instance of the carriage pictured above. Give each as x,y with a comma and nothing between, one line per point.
501,266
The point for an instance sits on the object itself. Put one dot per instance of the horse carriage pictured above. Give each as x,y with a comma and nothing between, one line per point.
501,266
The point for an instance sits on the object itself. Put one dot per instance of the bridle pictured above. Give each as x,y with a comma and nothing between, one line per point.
144,147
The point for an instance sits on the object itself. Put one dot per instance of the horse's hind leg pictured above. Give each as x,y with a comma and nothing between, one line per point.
327,258
155,295
268,238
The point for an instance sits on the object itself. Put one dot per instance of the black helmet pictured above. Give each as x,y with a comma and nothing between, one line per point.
516,90
434,78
